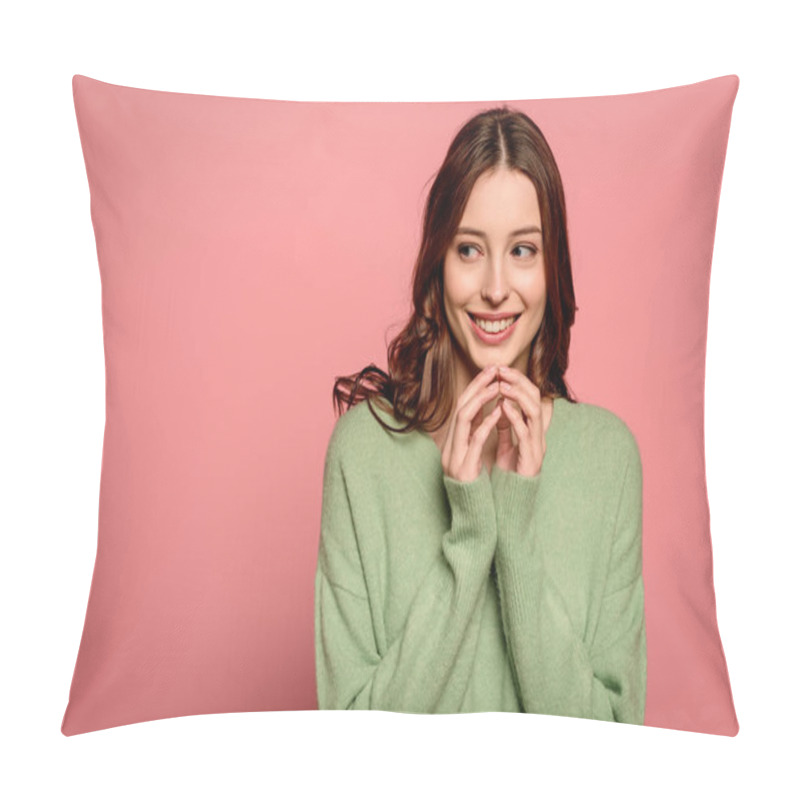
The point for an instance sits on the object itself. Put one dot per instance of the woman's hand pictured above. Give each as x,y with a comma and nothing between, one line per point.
518,392
468,431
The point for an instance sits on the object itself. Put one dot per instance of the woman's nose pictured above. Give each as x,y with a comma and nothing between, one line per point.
495,287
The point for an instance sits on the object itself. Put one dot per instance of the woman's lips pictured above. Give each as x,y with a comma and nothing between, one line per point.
492,338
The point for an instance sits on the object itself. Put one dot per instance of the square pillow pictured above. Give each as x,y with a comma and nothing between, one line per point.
250,252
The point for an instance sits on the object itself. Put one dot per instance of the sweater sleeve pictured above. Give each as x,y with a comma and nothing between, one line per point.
427,666
555,670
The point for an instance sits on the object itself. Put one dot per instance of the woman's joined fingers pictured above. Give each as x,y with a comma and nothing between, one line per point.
468,430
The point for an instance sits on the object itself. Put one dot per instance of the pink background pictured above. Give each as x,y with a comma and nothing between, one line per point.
250,251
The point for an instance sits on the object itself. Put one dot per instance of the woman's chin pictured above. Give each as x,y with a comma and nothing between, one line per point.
490,359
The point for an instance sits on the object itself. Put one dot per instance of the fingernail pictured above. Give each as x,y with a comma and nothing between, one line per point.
504,370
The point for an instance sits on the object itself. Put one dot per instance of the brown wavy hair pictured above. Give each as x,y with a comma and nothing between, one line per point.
420,385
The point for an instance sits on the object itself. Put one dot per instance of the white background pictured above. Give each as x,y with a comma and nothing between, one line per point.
53,386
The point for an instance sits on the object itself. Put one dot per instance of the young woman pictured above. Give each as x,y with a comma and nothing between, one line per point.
485,555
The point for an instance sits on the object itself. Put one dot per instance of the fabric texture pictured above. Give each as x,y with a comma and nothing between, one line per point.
250,251
506,593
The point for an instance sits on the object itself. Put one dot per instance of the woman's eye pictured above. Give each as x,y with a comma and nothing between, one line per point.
528,250
462,249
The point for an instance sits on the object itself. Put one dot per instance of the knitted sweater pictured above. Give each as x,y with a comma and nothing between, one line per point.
505,593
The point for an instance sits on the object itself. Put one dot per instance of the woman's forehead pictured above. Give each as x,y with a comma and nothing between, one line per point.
501,204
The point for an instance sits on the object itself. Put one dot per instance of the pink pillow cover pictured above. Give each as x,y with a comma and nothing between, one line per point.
252,250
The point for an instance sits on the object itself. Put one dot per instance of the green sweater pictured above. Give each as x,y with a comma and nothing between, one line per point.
506,593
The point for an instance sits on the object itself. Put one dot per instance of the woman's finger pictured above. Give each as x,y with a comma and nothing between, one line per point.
476,420
478,383
506,454
531,454
529,405
472,462
529,398
463,422
505,442
523,386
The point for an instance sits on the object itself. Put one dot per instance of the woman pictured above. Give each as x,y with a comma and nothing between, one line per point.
459,568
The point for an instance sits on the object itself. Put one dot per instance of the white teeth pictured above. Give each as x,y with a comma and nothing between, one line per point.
494,327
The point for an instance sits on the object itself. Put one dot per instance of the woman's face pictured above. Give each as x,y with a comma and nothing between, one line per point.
495,267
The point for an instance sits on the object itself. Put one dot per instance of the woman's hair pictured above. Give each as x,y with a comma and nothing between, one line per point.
420,385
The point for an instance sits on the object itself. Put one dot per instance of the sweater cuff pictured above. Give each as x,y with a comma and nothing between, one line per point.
472,506
514,499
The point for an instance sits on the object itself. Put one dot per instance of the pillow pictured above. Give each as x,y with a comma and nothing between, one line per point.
250,252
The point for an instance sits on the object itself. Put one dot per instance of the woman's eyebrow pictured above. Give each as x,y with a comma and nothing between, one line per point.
482,234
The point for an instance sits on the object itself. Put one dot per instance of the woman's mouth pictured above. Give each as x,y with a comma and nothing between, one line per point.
493,332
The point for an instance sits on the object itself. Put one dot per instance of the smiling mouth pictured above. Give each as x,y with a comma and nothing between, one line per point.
496,326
